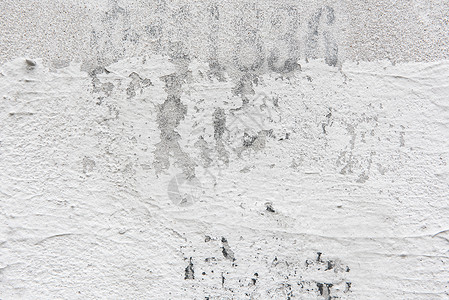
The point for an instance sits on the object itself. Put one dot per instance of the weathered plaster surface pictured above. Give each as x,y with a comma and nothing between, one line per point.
224,150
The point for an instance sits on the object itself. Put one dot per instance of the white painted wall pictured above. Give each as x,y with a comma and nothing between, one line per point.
224,150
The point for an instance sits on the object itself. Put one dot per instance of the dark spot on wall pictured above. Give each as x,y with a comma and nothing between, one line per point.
324,290
226,250
324,127
222,279
348,287
269,207
189,272
31,64
209,259
254,280
330,265
286,137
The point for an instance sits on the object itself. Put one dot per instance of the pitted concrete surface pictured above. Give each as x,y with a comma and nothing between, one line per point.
225,32
224,150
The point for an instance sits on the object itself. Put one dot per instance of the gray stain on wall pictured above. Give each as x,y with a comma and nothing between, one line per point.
315,25
169,116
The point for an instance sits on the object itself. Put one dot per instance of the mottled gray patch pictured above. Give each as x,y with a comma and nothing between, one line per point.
214,11
219,130
114,11
254,142
245,87
312,38
254,49
60,63
137,83
169,116
329,15
401,139
247,169
184,191
351,130
327,123
173,84
249,55
331,49
345,158
382,170
288,66
105,46
99,87
205,153
177,51
248,140
291,65
88,166
155,33
312,35
131,35
155,29
219,123
351,162
362,178
216,70
285,26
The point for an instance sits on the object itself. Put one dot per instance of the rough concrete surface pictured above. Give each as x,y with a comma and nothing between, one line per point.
224,149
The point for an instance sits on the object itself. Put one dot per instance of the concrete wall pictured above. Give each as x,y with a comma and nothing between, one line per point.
224,149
